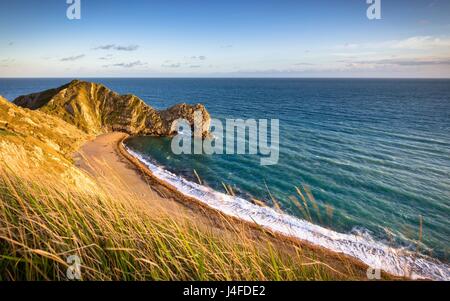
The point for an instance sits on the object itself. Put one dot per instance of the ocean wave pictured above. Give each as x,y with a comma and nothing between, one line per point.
397,261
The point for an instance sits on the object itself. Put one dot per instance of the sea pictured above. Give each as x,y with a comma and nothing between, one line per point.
363,169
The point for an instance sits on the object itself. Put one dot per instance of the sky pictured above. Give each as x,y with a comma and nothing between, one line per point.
232,38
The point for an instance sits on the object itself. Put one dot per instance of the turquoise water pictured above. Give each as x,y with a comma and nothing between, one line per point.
376,151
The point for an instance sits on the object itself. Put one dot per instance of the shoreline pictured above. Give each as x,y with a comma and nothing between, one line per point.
212,218
392,260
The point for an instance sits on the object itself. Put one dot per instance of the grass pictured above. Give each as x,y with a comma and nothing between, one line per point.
47,216
4,132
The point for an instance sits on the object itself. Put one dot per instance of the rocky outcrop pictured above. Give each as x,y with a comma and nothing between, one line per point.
95,109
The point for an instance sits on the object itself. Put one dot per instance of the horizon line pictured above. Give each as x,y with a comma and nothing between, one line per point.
213,77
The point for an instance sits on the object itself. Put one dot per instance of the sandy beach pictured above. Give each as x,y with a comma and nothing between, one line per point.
104,157
101,157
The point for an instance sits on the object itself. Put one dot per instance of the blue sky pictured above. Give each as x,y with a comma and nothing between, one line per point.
316,38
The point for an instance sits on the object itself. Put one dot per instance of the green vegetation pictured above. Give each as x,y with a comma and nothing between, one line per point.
4,132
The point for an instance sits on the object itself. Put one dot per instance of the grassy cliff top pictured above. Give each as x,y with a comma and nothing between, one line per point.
38,132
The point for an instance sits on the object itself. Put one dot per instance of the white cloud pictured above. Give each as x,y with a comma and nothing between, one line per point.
422,42
174,65
72,58
408,62
127,65
117,47
200,57
412,43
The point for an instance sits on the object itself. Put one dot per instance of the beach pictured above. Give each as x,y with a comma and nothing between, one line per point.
101,157
105,155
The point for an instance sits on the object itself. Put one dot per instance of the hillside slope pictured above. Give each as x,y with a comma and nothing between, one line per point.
37,132
96,109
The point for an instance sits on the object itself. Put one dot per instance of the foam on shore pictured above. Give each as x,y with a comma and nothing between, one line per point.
396,261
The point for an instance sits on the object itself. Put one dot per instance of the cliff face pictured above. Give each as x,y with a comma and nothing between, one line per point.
95,109
38,132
